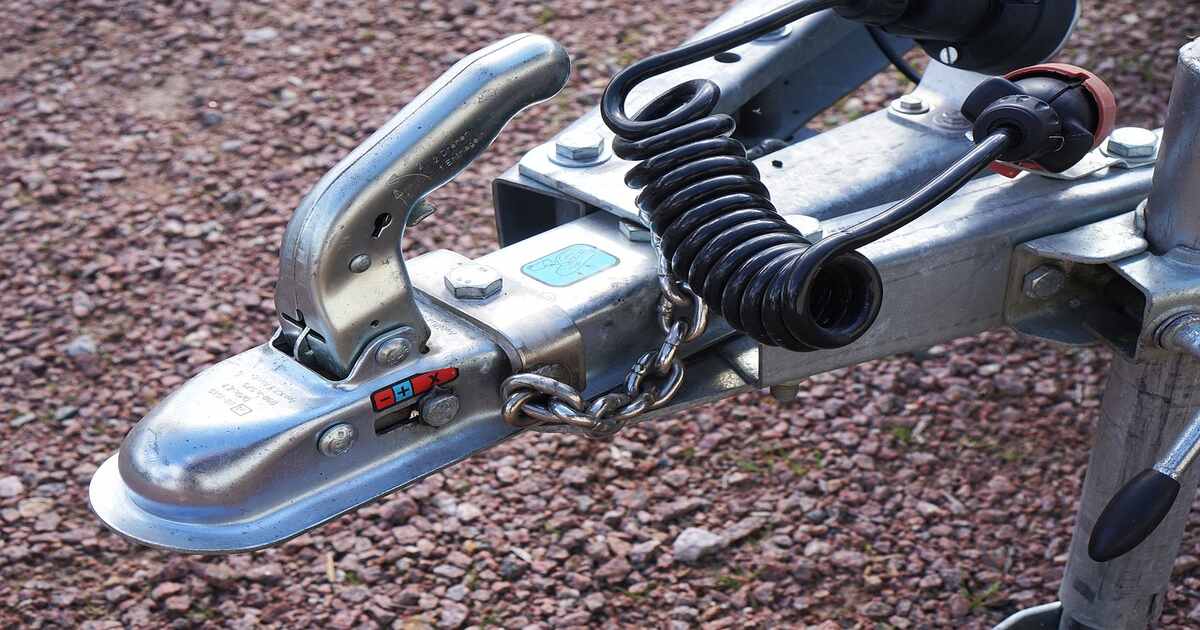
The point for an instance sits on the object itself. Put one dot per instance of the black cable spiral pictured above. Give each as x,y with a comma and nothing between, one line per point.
719,231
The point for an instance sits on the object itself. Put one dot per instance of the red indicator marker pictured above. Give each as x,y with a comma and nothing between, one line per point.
383,399
386,398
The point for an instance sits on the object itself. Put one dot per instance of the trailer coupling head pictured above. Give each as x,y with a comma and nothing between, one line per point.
356,393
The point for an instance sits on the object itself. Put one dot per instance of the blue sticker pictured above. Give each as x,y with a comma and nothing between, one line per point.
569,265
403,391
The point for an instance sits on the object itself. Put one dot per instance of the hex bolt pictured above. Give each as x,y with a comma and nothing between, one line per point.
580,146
473,281
360,263
1133,142
910,104
635,232
337,439
393,351
439,408
1044,282
785,392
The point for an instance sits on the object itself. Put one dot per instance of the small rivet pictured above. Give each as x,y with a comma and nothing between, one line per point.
393,351
360,263
337,439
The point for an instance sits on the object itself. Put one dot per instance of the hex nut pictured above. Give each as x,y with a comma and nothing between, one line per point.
1044,282
473,281
337,440
580,146
910,104
1133,142
635,232
439,409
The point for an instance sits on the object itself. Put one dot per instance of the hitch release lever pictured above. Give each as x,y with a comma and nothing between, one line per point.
342,280
1144,501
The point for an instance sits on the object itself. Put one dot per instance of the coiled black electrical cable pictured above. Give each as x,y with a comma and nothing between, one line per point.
717,227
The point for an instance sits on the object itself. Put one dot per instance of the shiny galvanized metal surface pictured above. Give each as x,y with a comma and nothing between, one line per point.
875,159
361,206
1149,401
958,257
231,462
532,329
1171,216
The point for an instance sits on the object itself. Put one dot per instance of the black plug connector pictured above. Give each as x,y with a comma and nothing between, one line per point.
1056,113
989,36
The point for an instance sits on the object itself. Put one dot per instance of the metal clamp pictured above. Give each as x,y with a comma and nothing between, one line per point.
342,274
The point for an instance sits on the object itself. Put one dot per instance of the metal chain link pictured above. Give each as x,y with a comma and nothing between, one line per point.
543,403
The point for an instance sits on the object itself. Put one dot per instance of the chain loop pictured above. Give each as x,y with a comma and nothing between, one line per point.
540,402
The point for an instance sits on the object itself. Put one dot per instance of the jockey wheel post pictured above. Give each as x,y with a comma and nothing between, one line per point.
1147,404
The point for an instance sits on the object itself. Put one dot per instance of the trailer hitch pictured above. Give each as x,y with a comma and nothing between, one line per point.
383,370
243,455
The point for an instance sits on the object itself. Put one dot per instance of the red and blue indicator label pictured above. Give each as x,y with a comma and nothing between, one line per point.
411,387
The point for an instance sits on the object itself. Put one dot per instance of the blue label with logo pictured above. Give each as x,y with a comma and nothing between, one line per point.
569,265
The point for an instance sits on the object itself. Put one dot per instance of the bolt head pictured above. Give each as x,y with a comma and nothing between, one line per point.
786,392
473,281
1133,142
360,263
439,409
948,55
635,232
580,146
393,351
337,440
1044,282
911,104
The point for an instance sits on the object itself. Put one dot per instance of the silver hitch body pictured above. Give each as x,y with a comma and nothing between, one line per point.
342,280
368,385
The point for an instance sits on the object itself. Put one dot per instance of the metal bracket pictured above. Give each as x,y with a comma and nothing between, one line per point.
1062,288
1108,286
531,329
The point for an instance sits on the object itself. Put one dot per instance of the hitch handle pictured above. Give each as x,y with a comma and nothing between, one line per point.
342,278
1140,506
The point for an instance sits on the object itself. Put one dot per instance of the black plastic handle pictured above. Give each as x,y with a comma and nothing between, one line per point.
1132,515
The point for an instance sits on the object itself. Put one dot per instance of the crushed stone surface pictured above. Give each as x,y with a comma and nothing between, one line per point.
152,155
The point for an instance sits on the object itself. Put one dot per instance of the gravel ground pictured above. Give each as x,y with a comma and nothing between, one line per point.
153,153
